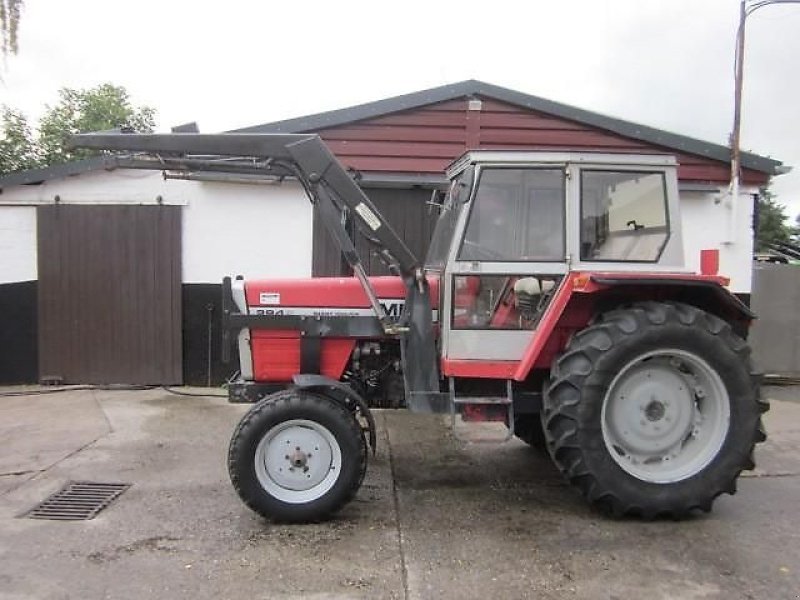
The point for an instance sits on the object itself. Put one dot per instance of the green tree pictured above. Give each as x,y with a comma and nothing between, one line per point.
17,146
10,11
77,111
772,222
103,107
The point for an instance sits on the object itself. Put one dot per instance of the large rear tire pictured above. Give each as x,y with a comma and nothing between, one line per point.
653,410
297,456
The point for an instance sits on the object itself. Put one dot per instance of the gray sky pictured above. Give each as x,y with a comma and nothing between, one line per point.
666,64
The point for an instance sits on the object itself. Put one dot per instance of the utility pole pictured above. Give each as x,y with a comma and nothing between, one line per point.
746,8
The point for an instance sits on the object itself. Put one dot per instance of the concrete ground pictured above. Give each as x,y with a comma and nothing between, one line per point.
435,518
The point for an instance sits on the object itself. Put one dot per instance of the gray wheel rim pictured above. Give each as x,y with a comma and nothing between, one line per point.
665,416
298,461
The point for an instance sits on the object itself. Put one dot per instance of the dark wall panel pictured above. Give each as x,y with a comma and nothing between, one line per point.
406,210
203,362
410,215
109,294
19,362
326,260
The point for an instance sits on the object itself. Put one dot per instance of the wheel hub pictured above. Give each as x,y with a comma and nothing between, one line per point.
651,411
665,416
298,461
655,411
298,458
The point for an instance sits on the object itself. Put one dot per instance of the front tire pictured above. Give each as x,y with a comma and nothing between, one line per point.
653,410
297,456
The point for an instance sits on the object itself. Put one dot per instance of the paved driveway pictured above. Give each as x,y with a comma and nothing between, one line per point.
435,518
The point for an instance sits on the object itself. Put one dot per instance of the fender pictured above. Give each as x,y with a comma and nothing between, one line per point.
341,393
708,291
713,286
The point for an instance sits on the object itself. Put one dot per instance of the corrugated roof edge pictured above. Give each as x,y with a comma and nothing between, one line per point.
472,87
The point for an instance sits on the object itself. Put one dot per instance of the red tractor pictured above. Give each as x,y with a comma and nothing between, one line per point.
554,299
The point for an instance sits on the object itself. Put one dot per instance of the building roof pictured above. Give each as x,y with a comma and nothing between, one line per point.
469,88
474,88
32,176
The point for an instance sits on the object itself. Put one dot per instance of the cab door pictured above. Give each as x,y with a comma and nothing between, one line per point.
507,259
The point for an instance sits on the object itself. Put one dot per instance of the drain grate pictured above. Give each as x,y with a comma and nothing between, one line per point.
78,501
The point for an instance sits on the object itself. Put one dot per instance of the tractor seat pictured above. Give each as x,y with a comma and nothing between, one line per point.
532,286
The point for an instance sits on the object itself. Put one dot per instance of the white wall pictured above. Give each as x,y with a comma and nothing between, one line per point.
120,186
262,231
258,231
17,244
706,221
228,229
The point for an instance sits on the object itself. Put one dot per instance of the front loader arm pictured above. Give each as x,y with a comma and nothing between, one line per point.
302,155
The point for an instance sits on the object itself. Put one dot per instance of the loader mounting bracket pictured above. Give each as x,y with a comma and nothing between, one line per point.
344,395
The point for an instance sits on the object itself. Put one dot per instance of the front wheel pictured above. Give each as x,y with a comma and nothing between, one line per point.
653,410
297,456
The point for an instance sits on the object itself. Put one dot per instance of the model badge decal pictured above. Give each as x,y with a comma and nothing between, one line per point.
370,217
393,307
269,298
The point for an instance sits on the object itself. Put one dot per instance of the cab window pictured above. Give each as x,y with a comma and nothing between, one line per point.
442,239
517,215
623,216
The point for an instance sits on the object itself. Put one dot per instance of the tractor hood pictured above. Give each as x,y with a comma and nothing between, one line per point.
328,296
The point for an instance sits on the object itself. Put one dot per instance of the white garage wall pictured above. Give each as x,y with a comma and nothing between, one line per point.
263,231
120,186
253,230
706,221
17,244
258,231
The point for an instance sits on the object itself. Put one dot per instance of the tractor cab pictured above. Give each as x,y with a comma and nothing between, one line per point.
514,224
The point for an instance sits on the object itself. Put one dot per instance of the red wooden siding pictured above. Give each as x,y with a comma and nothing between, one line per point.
427,139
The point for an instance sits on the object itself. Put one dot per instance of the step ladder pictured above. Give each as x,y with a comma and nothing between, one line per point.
482,419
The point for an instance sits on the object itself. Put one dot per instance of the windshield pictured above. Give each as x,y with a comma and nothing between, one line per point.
457,195
517,214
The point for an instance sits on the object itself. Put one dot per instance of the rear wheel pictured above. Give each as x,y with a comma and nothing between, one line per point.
653,410
297,456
